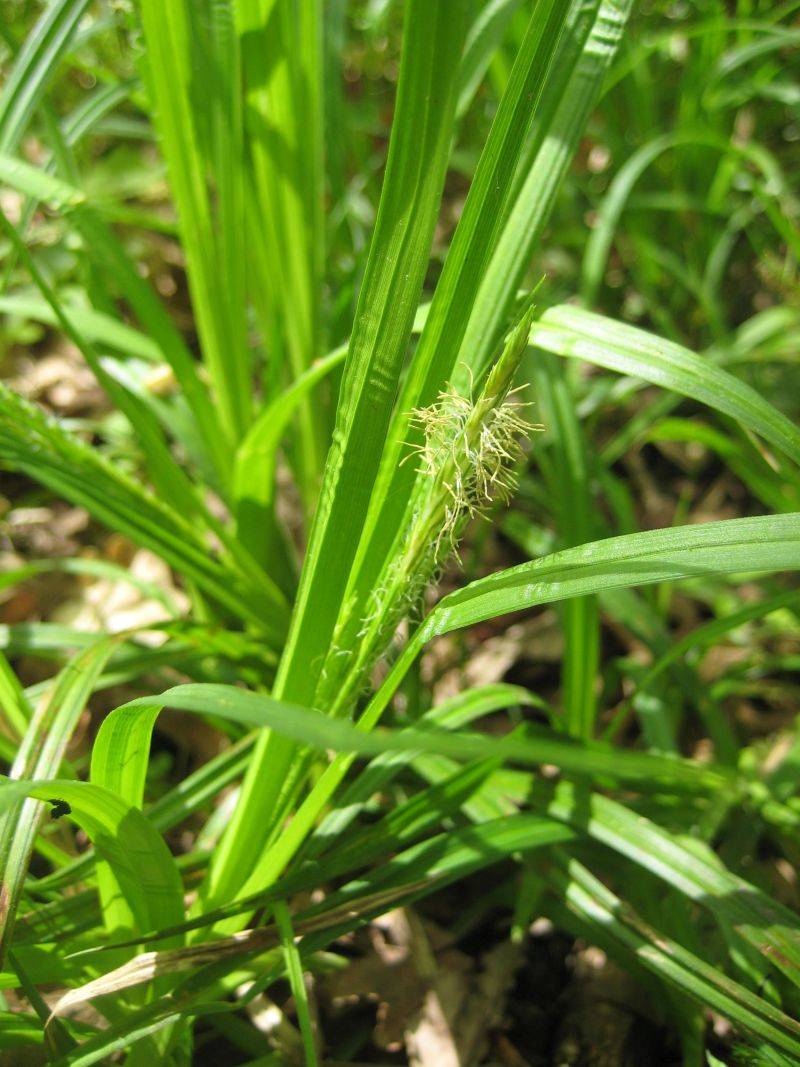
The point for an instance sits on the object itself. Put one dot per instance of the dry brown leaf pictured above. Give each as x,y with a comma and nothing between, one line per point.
44,532
62,380
149,965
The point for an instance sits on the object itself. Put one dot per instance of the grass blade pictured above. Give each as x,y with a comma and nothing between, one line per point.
146,891
727,547
168,479
282,65
93,325
294,970
771,928
474,242
27,81
130,723
592,901
570,331
564,461
39,756
389,296
586,50
253,486
78,473
110,257
764,543
193,78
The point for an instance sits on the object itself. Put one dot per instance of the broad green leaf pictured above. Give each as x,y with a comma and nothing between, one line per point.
389,296
768,336
320,731
143,868
761,544
195,791
570,331
586,49
121,753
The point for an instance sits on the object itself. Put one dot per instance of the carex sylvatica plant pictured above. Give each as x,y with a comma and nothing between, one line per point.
319,442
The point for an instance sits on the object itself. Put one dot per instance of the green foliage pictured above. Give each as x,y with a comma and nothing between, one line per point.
315,506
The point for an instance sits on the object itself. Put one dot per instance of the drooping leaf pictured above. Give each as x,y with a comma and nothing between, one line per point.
571,331
148,887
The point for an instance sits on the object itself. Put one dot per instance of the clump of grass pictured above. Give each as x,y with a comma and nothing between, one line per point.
249,120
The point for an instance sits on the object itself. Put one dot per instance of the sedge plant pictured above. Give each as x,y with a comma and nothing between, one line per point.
388,414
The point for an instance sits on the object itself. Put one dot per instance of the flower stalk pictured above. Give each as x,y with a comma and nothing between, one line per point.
467,457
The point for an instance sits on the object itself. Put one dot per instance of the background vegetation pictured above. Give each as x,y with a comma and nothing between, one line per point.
307,761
